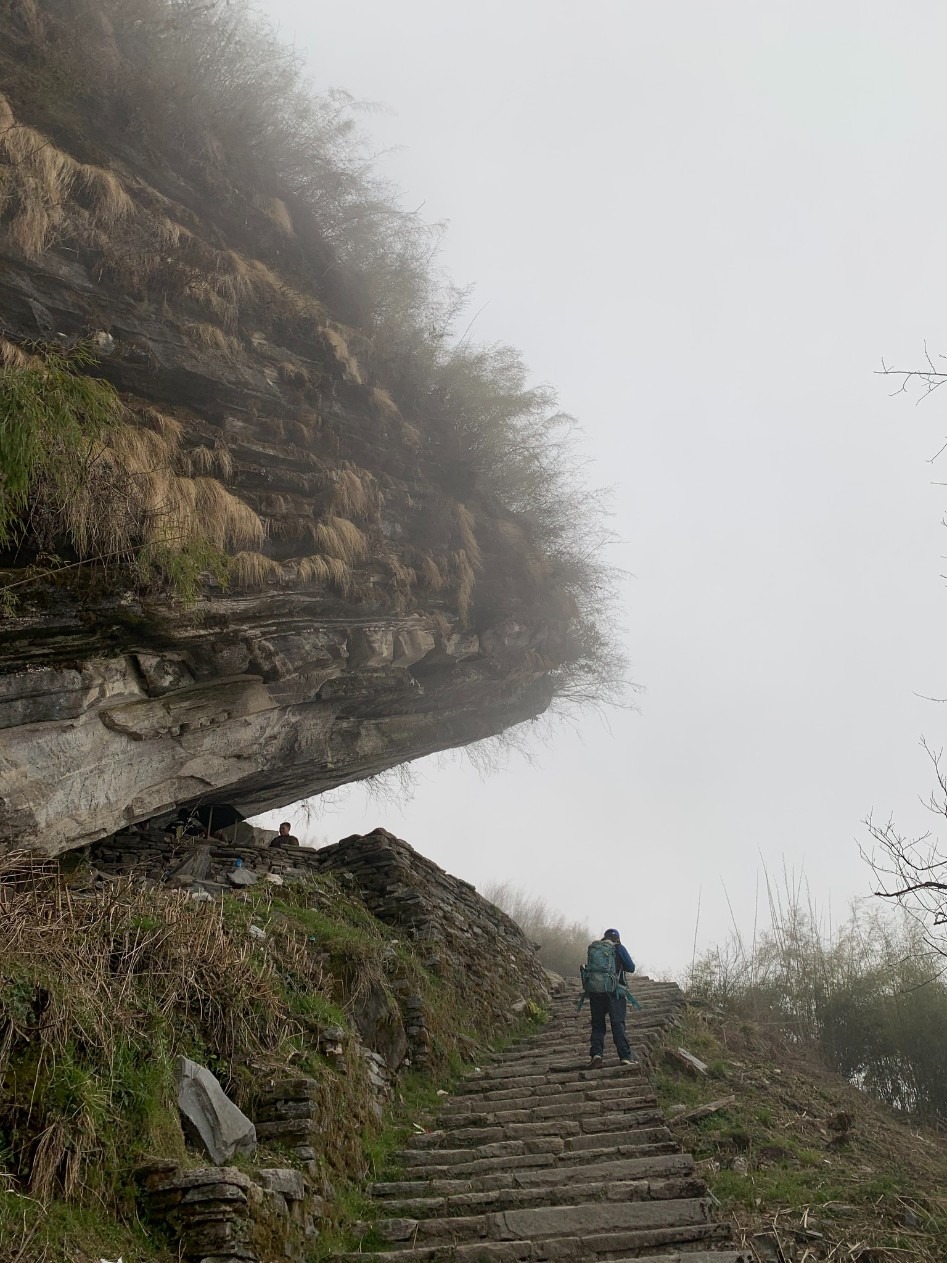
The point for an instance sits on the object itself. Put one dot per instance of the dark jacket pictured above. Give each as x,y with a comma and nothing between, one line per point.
285,839
625,964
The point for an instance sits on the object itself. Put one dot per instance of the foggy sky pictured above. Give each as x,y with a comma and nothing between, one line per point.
705,224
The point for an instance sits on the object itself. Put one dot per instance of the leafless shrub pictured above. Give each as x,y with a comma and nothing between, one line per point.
562,943
868,995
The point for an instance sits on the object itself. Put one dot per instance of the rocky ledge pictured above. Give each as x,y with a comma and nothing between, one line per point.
254,713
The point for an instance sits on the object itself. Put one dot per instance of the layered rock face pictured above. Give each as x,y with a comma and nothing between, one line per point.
379,603
257,716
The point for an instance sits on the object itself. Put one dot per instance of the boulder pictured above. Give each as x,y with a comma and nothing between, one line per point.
209,1116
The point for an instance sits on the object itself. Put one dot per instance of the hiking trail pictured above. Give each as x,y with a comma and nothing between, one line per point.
536,1157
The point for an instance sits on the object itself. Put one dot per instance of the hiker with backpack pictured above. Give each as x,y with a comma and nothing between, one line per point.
607,965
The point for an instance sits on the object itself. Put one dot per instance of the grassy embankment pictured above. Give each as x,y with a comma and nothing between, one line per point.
101,989
833,1048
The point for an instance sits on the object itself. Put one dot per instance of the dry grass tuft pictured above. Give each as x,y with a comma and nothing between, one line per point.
138,450
410,436
464,579
211,338
337,537
30,15
170,428
324,571
179,511
252,570
344,357
294,374
13,356
106,192
168,233
384,402
465,528
275,504
432,576
276,210
354,493
206,295
7,117
209,460
224,519
405,577
37,186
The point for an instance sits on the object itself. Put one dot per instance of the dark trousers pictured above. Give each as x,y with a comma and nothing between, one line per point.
615,1007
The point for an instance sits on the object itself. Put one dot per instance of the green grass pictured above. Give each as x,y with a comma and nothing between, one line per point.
778,1186
61,1233
101,995
772,1156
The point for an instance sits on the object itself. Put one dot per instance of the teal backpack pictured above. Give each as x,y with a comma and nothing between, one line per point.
599,974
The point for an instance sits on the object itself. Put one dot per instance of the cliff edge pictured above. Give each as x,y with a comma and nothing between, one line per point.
266,526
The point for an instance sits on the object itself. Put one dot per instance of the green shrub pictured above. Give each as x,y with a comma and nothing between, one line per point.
871,999
52,416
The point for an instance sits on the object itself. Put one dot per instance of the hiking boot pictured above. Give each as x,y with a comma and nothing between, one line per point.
628,1061
596,1062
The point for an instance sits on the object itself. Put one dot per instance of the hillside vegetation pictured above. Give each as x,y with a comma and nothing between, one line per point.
827,1056
175,154
104,983
809,1166
561,943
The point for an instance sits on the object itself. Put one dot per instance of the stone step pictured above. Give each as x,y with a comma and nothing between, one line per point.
543,1158
537,1158
578,1072
578,1029
545,1195
593,1086
608,1131
648,1014
695,1256
618,1244
574,1054
522,1109
540,1223
596,1119
618,1168
600,1140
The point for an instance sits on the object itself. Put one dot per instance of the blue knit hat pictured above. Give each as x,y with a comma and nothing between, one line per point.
612,934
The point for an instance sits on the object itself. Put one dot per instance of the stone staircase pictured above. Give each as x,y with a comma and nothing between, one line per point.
537,1157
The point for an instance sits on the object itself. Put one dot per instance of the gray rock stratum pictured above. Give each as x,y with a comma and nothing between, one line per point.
361,590
256,715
